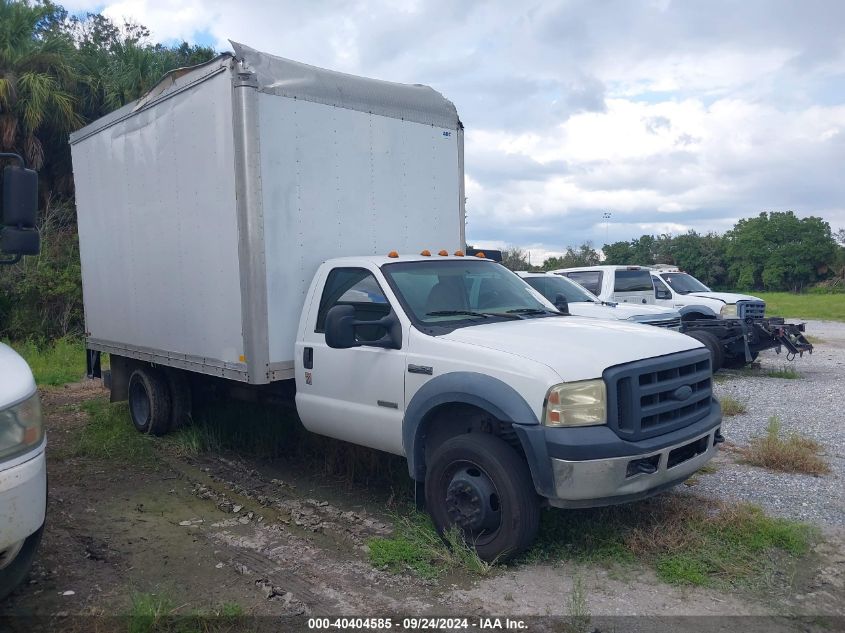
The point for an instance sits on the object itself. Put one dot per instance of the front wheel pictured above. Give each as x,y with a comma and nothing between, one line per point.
479,484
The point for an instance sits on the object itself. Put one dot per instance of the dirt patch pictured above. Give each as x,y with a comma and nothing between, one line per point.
219,529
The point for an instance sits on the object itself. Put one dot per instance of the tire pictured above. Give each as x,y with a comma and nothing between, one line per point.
149,401
13,572
738,362
717,354
180,399
478,478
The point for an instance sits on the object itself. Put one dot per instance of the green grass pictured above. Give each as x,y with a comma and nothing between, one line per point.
151,613
824,307
792,453
416,548
731,406
687,540
786,372
109,434
60,362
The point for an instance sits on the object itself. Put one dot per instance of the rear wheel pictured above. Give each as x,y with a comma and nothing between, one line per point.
149,401
479,484
15,562
712,343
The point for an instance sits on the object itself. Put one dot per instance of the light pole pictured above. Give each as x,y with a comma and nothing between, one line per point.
606,217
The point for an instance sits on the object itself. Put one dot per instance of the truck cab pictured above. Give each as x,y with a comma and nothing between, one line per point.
677,289
457,364
620,284
23,470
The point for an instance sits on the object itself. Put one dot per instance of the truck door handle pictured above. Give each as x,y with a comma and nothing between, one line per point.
308,357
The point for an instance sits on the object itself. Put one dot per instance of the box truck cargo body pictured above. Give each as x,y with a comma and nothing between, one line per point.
206,207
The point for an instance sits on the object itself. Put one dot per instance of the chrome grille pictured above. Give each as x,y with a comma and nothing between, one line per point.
752,309
659,395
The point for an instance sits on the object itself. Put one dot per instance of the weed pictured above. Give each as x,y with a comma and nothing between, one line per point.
148,612
708,469
416,547
60,362
784,371
576,607
155,613
686,539
731,406
109,434
791,454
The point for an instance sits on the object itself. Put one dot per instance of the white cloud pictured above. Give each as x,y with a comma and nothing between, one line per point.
673,115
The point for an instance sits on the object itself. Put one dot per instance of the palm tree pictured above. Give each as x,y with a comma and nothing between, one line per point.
36,78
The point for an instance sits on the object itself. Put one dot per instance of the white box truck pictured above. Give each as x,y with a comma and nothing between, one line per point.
265,224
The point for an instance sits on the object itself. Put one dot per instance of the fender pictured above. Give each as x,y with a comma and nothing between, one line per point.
485,392
700,309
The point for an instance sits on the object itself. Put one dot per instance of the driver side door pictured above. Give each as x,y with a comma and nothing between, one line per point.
355,394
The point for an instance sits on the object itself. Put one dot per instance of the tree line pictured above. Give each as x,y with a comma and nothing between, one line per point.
59,72
772,251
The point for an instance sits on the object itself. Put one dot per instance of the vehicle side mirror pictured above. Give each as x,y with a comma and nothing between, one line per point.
341,324
20,212
662,293
562,304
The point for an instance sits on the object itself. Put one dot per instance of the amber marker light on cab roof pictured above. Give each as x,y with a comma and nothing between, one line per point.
425,253
481,255
459,253
393,254
443,253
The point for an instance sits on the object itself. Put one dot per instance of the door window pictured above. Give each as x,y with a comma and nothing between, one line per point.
633,281
356,287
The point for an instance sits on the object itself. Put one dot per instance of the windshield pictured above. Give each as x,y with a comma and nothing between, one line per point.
683,283
463,292
550,286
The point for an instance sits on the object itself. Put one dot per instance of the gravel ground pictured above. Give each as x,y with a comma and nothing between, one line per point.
812,406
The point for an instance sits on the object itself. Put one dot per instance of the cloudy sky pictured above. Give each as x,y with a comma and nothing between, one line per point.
670,115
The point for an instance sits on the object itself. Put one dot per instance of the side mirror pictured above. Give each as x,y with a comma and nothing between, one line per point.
20,210
662,293
562,304
341,324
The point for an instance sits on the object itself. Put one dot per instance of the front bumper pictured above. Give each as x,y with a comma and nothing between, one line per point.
23,496
592,466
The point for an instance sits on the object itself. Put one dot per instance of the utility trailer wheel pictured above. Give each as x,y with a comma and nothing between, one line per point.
711,342
180,398
738,362
478,483
149,401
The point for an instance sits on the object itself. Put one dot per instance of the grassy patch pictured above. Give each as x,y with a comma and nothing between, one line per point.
109,434
416,548
731,406
685,539
825,307
156,613
784,371
60,362
791,454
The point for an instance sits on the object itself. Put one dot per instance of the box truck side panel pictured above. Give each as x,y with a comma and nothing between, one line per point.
337,182
158,231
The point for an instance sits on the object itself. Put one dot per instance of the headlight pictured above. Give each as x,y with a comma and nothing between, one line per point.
21,427
728,310
582,403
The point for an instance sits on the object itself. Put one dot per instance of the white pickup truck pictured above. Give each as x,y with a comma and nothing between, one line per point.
677,289
265,225
574,298
23,471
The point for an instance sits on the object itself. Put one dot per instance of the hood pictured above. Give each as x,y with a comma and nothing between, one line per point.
16,381
622,311
576,348
724,297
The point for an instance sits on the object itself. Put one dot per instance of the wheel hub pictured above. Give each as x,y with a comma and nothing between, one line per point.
472,502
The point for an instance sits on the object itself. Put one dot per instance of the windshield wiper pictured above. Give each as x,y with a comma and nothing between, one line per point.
484,315
534,311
